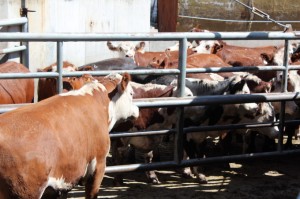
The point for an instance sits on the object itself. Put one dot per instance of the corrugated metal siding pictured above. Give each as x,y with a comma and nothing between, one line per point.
78,16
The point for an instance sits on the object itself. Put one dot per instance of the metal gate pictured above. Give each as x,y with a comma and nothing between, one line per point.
179,102
23,47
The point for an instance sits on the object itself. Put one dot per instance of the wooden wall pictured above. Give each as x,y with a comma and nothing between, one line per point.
167,15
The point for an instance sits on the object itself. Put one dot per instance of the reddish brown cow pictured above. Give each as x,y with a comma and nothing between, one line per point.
14,91
47,153
211,60
143,58
245,56
47,87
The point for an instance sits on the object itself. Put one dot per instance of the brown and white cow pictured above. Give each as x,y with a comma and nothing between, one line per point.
48,147
145,58
222,114
15,91
149,119
246,56
47,87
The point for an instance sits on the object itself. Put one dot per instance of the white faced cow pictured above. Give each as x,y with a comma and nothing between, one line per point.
48,147
149,119
221,114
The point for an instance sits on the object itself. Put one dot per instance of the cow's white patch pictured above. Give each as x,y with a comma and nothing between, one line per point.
67,69
58,183
121,106
89,170
86,89
206,46
148,86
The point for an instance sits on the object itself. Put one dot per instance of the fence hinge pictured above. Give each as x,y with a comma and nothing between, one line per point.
24,12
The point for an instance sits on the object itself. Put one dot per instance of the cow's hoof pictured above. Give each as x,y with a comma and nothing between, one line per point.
154,181
202,179
187,175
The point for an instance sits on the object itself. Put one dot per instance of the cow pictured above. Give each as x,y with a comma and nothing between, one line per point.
144,58
48,153
149,119
245,56
15,91
47,87
123,63
126,48
221,114
291,107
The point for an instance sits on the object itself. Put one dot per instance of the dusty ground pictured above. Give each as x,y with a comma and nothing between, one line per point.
274,178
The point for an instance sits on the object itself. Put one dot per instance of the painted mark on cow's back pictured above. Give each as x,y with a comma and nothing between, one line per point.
86,89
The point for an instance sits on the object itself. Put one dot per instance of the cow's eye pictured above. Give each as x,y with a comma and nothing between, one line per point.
207,47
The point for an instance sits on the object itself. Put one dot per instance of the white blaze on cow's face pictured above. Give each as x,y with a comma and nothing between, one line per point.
267,114
128,48
293,80
206,46
121,106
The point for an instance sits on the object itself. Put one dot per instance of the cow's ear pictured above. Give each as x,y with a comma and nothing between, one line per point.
140,46
216,48
125,80
267,58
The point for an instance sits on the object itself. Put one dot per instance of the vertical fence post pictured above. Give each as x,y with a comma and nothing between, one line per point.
179,136
59,66
283,89
25,53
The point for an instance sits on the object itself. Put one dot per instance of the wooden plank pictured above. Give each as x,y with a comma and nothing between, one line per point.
167,15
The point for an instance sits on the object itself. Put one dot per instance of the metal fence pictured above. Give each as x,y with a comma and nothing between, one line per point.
23,48
180,101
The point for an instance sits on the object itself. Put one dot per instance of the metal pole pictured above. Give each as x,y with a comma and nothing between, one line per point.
179,136
283,89
25,53
59,66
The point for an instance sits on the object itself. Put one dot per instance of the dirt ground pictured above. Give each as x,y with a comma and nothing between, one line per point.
274,178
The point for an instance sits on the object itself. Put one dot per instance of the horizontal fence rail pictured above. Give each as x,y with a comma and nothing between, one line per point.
179,101
13,22
23,48
55,37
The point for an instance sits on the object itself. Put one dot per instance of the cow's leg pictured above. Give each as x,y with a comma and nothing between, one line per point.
151,176
251,146
186,172
188,153
290,131
118,157
192,152
200,150
93,183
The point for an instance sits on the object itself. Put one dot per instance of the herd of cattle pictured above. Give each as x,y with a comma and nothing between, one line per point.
48,147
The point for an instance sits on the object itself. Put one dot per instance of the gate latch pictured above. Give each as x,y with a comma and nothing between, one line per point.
24,12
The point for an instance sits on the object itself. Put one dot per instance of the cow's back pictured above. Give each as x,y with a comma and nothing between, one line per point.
54,139
14,91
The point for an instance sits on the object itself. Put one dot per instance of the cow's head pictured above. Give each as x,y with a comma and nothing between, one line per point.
264,114
121,105
126,47
293,80
208,47
238,85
